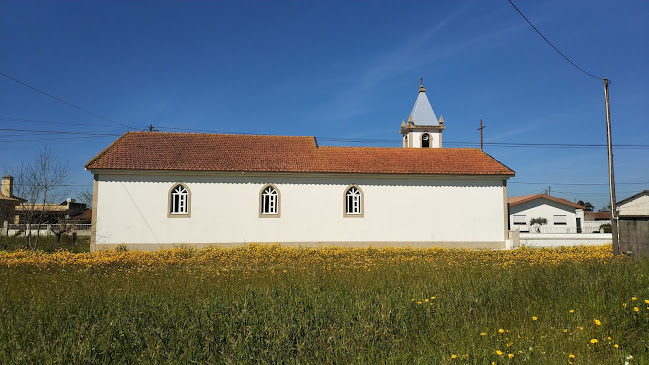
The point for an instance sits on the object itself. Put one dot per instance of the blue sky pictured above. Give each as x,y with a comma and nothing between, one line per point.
337,69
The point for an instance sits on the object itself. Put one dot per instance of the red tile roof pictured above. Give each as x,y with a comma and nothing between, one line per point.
515,200
229,152
86,215
594,216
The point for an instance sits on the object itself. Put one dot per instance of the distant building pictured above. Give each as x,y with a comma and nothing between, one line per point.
562,215
154,190
633,218
604,217
8,201
49,213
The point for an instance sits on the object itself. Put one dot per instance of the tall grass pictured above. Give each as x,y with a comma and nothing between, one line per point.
47,243
267,304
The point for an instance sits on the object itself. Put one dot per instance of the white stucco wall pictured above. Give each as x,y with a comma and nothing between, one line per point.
637,206
132,209
545,208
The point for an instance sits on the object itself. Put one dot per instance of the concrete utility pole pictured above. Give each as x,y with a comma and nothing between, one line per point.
480,129
611,177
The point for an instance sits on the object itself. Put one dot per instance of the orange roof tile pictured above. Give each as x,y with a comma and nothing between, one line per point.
514,200
597,215
228,152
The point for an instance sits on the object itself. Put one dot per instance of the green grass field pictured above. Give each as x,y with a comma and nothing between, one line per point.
267,304
47,243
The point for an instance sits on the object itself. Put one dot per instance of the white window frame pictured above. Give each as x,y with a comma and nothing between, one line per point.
179,201
561,221
353,202
269,194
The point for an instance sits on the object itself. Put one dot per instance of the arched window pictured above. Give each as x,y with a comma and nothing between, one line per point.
425,140
353,201
269,201
179,200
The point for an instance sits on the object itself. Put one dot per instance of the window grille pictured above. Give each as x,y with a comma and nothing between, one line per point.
179,200
353,201
269,201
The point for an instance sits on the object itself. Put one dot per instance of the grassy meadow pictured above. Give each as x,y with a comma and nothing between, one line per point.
272,304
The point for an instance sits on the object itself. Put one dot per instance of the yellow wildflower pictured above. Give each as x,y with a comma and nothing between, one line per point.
593,340
482,334
426,300
453,356
634,298
499,353
510,355
572,311
616,346
534,318
571,356
636,309
597,322
501,331
565,330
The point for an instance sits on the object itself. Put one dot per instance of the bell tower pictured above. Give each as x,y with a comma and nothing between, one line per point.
423,130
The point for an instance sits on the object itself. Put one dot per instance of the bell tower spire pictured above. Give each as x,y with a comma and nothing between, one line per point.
423,130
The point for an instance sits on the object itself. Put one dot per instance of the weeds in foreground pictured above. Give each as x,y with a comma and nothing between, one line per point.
272,304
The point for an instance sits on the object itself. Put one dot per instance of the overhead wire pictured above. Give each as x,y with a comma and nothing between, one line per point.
552,45
63,101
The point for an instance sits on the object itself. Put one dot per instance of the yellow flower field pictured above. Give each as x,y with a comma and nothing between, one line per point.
275,304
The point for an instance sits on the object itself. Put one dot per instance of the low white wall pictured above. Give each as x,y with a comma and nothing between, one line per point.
564,239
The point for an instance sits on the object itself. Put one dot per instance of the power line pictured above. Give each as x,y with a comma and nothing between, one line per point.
551,45
360,140
458,143
11,119
63,101
47,139
58,132
577,184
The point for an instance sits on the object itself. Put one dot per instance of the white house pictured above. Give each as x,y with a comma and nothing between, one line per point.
155,190
633,214
562,216
637,204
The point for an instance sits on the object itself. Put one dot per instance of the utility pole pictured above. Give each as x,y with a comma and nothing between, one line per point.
549,190
611,177
480,129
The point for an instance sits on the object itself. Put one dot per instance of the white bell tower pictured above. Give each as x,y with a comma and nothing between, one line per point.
423,130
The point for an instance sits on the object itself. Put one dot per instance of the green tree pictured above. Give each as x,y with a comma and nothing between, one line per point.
538,222
589,207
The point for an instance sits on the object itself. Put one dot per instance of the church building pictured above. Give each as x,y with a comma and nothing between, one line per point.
154,190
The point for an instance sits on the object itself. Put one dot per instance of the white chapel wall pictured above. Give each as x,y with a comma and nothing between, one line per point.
132,209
